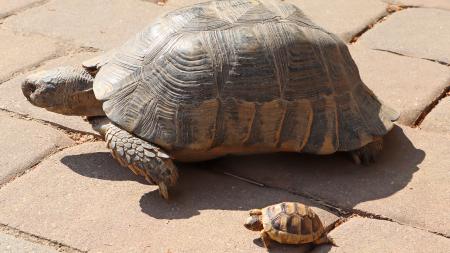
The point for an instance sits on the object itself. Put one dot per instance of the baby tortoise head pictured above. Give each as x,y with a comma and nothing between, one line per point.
254,222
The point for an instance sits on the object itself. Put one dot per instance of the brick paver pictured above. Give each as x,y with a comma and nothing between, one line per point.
417,32
392,76
438,120
18,52
409,183
12,98
24,143
346,18
101,24
83,198
8,7
368,235
11,244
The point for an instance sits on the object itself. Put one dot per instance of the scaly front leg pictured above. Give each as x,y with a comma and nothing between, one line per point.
142,158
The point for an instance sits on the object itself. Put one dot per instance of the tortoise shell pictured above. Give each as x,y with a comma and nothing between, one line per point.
240,76
291,223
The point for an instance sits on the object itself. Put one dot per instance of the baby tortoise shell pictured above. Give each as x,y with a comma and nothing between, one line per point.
292,223
289,223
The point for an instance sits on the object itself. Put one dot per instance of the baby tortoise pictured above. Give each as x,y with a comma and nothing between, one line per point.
289,223
217,78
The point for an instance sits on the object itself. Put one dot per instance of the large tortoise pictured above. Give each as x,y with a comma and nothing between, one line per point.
218,78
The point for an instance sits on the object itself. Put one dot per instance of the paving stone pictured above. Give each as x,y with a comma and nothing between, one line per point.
101,24
24,143
83,198
11,244
369,235
407,84
13,99
10,6
345,18
417,32
21,51
409,182
442,4
438,120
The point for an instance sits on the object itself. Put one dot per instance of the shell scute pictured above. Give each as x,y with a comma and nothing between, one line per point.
292,223
240,76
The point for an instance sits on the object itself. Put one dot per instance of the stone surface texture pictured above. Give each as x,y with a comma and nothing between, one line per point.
408,85
374,236
83,198
17,52
25,143
9,7
12,98
101,24
438,120
11,244
417,32
411,167
346,18
56,191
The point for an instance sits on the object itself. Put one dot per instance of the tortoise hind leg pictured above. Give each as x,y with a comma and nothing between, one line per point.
142,158
368,153
265,239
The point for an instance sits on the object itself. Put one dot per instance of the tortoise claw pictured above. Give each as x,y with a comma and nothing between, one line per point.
163,190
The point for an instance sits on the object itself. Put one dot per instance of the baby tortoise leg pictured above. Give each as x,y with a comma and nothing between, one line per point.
325,239
265,239
142,158
368,153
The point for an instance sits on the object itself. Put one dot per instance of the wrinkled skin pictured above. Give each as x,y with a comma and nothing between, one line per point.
64,90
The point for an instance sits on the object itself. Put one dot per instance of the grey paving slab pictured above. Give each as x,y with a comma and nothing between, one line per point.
409,183
443,4
438,120
83,198
8,7
345,18
406,84
11,244
417,32
13,99
101,24
24,143
369,235
20,51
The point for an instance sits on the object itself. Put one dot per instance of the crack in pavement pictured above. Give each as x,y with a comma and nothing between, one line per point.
61,247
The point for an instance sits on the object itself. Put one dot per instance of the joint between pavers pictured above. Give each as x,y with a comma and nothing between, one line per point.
61,247
431,106
369,215
65,49
447,64
344,213
390,9
76,135
21,9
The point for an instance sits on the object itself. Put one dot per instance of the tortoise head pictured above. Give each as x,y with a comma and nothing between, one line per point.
64,90
254,222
